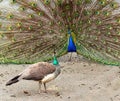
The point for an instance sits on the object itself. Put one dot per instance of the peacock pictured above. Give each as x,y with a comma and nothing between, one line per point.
31,29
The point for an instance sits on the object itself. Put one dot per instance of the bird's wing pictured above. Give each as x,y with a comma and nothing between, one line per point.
38,71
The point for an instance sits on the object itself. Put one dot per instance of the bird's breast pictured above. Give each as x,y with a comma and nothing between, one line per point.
48,78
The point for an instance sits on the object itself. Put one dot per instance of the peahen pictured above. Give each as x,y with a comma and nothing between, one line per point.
30,29
42,72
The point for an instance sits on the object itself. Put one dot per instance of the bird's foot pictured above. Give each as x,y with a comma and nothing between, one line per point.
39,92
45,91
69,60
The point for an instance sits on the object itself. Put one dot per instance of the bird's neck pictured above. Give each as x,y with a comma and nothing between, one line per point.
57,71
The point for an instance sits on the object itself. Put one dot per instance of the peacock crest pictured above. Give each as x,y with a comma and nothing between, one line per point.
30,29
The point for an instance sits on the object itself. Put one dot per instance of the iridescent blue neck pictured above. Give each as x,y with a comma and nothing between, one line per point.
71,42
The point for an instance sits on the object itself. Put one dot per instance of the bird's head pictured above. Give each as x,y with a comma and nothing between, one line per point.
69,31
55,61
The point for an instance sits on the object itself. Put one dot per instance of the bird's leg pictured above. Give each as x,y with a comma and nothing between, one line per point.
40,86
45,87
70,57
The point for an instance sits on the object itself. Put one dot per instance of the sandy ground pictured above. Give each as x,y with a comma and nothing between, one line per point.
79,81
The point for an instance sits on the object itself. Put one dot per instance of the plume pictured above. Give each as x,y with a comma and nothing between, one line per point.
30,29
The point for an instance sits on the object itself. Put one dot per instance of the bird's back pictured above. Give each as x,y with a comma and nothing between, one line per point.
38,71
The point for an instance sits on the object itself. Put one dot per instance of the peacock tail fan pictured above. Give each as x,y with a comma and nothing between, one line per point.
31,29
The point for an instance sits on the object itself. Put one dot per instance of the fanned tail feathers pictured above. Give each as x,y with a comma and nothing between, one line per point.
30,29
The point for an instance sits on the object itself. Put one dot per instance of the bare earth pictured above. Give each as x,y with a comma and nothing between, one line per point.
79,81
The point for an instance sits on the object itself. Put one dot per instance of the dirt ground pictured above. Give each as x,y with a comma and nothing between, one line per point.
78,81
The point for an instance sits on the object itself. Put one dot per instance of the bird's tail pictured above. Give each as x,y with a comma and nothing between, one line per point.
13,80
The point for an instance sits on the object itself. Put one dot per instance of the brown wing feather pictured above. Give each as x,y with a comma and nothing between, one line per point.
38,71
